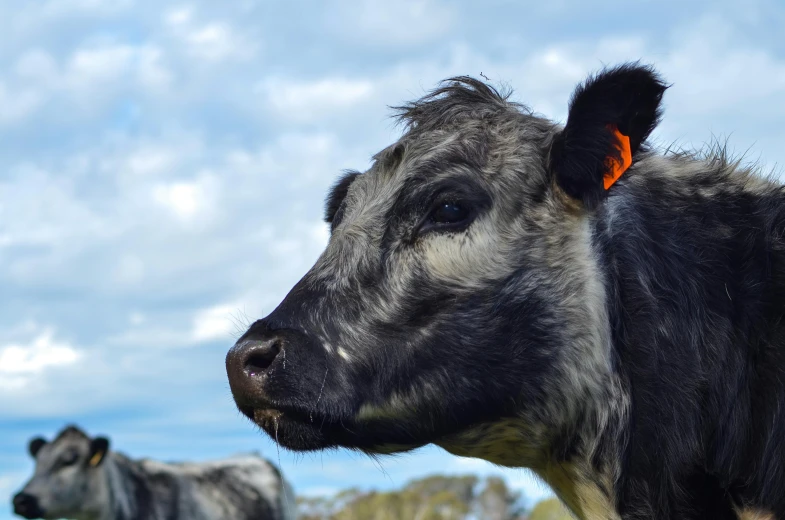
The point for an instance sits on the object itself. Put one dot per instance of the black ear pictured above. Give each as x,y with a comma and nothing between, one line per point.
99,447
625,98
35,445
337,194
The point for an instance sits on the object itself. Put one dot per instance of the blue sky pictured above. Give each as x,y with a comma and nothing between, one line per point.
163,166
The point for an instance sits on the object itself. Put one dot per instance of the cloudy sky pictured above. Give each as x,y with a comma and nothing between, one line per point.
163,166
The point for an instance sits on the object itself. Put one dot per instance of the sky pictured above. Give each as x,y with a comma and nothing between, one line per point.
163,167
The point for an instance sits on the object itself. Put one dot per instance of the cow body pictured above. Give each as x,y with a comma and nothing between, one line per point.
694,258
244,487
560,298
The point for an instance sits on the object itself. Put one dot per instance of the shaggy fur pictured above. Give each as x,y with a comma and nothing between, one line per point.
482,291
78,477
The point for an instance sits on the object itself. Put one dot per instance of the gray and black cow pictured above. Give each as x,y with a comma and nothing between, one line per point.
556,297
78,477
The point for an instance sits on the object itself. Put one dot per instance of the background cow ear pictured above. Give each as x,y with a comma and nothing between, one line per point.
35,445
99,447
623,100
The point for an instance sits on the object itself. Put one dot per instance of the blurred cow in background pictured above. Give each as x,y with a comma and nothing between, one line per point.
79,477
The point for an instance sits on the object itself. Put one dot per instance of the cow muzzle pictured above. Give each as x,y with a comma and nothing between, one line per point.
27,506
278,378
257,371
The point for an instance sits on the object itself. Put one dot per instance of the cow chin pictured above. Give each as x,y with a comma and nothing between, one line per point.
306,431
292,430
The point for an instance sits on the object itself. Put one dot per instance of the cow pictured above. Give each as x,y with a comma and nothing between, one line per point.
79,477
567,298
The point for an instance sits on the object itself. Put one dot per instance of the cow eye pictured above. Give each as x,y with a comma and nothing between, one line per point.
69,459
448,216
449,213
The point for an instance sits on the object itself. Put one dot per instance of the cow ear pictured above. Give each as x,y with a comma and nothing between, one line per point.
35,445
337,194
99,447
610,116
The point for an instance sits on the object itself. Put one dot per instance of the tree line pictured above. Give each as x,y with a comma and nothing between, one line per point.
436,497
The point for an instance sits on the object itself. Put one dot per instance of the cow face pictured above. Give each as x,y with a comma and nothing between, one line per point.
459,300
66,480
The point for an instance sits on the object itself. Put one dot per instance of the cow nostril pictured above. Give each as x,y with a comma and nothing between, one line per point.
261,357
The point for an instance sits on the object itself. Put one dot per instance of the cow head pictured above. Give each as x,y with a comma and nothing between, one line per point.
459,300
66,481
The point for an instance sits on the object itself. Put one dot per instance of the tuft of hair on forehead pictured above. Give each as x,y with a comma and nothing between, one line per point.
71,431
456,99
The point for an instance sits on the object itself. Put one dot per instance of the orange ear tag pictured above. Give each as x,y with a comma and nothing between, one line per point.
616,167
96,459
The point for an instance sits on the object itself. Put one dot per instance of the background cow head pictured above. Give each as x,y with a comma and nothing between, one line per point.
66,481
459,300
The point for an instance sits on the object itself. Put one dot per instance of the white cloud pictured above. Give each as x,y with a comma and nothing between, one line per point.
17,104
82,82
183,198
40,208
212,41
179,16
404,23
150,160
107,68
20,363
306,101
129,269
97,64
187,200
136,163
152,71
712,72
36,65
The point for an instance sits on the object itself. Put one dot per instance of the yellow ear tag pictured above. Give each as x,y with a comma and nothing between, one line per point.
616,167
96,459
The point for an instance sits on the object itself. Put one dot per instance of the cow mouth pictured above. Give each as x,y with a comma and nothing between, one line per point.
299,430
294,429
